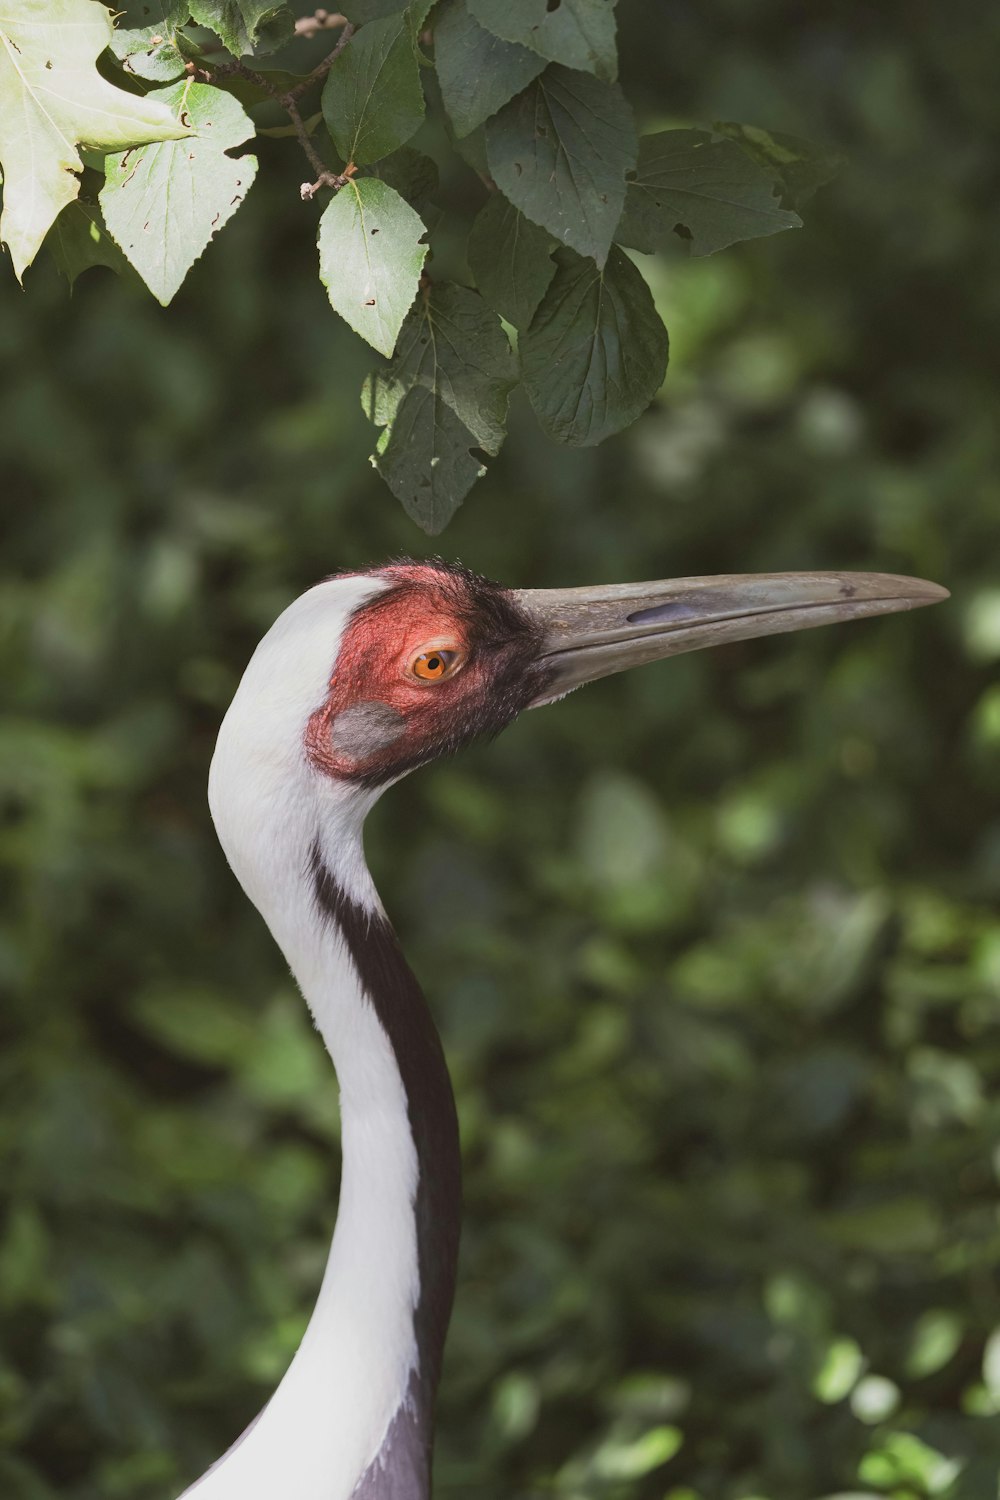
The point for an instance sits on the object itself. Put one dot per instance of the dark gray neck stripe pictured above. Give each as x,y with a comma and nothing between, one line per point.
398,1001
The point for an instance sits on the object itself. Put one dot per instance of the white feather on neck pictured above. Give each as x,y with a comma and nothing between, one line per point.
328,1418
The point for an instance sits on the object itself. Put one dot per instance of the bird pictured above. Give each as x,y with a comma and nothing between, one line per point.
362,679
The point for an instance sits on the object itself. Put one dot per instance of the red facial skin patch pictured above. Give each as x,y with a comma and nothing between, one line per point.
425,606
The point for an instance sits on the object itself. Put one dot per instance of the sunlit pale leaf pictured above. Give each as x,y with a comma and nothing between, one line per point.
370,258
596,351
560,152
53,99
145,42
163,203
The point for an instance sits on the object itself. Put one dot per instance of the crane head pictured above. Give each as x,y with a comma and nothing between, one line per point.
434,656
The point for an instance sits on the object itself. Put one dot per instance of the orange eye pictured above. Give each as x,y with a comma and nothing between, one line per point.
436,662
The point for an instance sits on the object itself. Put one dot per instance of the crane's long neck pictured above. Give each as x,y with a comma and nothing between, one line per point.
352,1417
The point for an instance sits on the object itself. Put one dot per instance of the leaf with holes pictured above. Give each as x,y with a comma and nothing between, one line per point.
372,99
245,25
477,71
709,192
800,167
596,352
78,240
426,458
53,99
511,259
145,39
560,152
576,33
163,203
452,349
370,259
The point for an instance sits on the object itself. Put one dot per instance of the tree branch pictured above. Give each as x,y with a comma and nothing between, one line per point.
307,26
321,69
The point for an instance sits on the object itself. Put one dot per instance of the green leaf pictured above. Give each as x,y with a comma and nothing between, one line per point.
370,259
560,152
596,352
426,459
799,166
511,259
79,240
472,149
577,33
163,203
452,350
245,25
372,99
709,192
52,99
477,71
144,40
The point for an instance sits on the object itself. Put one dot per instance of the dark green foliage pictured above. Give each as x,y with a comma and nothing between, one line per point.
709,192
526,91
78,240
578,33
361,11
444,394
372,99
595,353
800,167
477,71
714,947
511,259
560,152
245,25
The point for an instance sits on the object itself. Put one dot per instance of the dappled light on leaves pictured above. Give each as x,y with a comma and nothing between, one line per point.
524,93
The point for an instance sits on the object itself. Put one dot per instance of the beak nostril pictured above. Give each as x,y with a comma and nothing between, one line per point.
662,614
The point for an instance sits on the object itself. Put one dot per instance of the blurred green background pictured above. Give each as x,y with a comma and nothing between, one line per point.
714,947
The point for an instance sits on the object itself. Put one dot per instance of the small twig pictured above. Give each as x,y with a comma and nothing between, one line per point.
321,21
326,178
317,163
335,180
321,69
236,68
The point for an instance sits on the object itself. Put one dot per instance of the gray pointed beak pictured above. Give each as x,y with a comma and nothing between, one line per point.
590,633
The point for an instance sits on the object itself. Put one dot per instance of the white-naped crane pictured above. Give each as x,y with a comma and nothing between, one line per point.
363,678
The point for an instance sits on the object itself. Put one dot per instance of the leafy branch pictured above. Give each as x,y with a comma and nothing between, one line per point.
529,96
